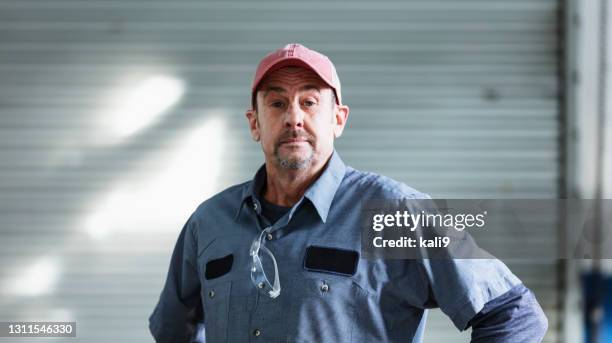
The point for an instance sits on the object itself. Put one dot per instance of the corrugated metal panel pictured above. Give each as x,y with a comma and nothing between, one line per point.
455,98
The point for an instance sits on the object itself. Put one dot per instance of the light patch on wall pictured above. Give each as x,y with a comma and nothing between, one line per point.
162,200
143,105
37,279
43,312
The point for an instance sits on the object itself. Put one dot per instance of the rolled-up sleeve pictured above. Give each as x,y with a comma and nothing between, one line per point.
514,317
461,287
181,292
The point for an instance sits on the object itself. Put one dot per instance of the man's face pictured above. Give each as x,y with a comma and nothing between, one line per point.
296,118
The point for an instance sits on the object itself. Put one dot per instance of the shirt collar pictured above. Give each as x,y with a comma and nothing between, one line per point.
320,193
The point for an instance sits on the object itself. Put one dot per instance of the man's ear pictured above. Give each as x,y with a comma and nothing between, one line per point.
251,115
341,113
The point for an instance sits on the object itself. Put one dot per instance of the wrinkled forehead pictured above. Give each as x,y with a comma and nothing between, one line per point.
290,77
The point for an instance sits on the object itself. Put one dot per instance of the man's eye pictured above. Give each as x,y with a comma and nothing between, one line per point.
309,103
277,104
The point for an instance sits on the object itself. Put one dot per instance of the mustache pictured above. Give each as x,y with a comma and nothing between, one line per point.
293,134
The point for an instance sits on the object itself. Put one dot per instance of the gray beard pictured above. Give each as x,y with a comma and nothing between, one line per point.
292,164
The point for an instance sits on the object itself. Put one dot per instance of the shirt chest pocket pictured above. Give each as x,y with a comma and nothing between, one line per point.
324,308
227,299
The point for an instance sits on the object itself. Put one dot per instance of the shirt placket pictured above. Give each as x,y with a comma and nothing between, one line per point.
267,317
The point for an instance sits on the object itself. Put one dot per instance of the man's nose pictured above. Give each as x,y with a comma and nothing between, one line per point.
294,118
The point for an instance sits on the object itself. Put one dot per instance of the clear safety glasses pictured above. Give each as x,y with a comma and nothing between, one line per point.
258,275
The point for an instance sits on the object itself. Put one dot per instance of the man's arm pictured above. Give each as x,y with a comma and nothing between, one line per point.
513,317
178,302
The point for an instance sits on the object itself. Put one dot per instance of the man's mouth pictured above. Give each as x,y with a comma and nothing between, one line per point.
294,141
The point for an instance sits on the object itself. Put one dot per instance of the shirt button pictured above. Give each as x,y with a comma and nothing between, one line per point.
261,285
269,236
255,206
211,294
256,332
324,287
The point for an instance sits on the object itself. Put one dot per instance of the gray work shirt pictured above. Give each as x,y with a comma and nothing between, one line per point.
379,301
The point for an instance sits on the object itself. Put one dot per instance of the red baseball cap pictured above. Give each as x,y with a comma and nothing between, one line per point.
300,56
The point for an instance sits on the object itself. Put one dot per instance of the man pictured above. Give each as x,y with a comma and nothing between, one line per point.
278,258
